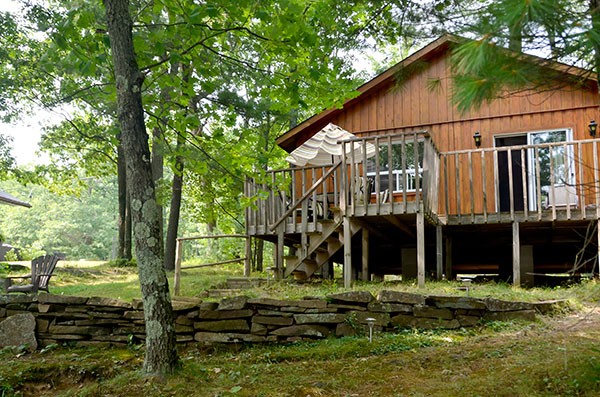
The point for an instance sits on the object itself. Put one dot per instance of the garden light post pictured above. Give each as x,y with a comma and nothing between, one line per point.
370,322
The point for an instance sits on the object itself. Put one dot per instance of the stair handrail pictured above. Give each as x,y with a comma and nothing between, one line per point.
306,195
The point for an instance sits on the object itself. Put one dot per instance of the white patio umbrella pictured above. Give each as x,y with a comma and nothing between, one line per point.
323,148
6,198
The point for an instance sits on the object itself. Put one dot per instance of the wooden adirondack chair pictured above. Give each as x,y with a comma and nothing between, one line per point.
41,271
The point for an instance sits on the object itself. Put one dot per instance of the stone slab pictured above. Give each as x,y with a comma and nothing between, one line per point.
224,314
352,297
233,303
359,317
215,337
304,303
550,306
455,302
62,299
388,296
19,330
433,312
313,331
386,307
497,305
77,330
345,307
234,325
276,313
322,318
108,302
271,320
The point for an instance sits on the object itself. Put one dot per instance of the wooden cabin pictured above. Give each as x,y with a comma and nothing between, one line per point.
429,202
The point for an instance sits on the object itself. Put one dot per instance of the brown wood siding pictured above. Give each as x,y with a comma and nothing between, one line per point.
419,104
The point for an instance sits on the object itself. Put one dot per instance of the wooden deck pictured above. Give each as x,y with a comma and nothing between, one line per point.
409,183
461,187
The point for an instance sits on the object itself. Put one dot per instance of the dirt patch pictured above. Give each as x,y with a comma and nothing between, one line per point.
586,320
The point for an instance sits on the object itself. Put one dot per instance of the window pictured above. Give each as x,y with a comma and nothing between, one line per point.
403,154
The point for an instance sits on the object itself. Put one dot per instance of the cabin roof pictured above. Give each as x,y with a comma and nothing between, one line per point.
303,131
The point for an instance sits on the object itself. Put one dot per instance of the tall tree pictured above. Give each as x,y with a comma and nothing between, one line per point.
161,353
566,31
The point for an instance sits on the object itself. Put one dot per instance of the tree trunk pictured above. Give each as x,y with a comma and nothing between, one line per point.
157,169
122,189
128,244
161,353
173,226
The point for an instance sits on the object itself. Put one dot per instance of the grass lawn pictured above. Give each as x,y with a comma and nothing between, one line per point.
553,357
556,356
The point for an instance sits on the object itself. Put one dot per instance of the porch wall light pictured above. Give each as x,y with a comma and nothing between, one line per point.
477,139
593,126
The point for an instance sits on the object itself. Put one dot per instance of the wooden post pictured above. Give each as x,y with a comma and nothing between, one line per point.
365,255
347,253
448,258
279,252
421,247
248,260
439,250
598,257
516,255
177,277
527,278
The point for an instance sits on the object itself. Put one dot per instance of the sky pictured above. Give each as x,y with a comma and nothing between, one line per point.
26,136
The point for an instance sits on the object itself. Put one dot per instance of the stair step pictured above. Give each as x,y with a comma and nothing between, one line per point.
222,292
245,283
299,275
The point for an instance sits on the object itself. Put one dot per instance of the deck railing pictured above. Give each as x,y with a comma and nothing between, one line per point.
536,182
390,174
540,182
292,197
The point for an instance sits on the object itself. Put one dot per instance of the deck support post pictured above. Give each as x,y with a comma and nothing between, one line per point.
279,253
598,257
365,255
347,253
439,251
448,268
516,255
248,260
527,278
421,247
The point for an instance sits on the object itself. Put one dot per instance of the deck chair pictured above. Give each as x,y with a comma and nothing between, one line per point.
41,271
564,196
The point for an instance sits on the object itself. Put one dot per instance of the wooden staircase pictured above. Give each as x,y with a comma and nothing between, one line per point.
317,248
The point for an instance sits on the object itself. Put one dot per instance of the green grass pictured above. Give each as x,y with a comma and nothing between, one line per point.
98,279
545,358
551,357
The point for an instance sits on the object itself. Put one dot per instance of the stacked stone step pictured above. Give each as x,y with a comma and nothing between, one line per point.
241,283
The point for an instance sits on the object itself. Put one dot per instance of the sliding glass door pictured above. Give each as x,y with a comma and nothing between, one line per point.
553,165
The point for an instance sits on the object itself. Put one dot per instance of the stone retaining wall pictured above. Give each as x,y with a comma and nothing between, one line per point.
240,319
